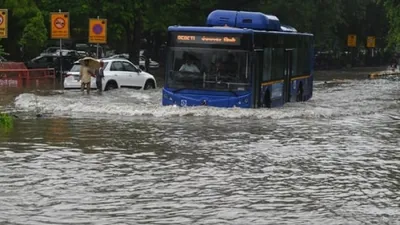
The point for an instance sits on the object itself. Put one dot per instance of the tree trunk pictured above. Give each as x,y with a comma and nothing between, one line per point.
137,31
128,45
157,44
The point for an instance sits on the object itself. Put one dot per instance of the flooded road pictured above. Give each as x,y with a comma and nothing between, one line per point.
122,158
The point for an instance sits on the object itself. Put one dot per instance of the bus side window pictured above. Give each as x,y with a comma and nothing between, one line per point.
304,57
294,63
277,64
267,64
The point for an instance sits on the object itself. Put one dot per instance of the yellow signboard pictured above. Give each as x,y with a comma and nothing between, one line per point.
370,42
60,25
352,40
98,31
3,23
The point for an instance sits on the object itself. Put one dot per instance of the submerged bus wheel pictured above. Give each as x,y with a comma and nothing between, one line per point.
267,100
300,92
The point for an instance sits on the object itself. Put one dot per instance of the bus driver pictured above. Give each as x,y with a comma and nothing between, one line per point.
189,67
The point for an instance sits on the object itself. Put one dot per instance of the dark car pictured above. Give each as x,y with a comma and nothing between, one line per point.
52,61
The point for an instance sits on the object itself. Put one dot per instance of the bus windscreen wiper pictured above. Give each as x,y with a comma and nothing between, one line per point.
234,93
178,90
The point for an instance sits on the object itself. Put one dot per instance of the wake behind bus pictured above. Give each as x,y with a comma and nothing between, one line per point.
239,59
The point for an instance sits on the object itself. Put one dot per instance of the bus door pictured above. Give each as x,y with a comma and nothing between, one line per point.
256,75
288,62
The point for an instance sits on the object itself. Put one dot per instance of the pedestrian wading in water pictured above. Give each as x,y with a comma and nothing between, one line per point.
99,77
85,76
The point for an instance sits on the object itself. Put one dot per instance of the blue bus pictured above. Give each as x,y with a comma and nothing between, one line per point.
240,59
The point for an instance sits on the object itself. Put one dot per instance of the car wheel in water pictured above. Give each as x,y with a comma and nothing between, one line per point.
111,86
149,85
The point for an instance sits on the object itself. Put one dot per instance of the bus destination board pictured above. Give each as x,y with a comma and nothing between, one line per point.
210,40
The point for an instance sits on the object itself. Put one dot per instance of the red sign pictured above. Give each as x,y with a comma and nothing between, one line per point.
59,23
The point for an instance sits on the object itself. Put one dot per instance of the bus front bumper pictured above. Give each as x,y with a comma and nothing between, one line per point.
227,100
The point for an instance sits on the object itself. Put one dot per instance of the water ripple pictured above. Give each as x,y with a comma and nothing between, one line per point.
333,160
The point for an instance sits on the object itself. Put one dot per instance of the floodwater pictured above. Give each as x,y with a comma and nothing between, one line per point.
122,158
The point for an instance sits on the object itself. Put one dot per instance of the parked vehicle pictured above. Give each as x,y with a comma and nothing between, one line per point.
52,61
90,48
67,52
118,73
142,60
50,50
82,54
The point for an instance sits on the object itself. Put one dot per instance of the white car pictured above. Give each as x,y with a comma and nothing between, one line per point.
118,73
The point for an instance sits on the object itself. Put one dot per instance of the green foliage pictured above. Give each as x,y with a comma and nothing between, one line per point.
392,8
329,20
309,16
6,121
79,11
2,52
21,12
34,36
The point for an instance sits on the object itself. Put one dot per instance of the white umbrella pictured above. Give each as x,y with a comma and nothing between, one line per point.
92,62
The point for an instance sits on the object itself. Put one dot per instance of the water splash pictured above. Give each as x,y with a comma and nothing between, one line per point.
358,97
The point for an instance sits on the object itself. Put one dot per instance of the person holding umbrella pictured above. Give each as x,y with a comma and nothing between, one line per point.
88,64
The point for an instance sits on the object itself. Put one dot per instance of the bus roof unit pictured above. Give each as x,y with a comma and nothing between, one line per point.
287,28
242,19
229,30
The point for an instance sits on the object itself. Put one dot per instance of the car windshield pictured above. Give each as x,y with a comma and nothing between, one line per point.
75,68
209,69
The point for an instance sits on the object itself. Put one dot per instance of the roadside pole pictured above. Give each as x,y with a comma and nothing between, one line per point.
97,46
59,23
61,62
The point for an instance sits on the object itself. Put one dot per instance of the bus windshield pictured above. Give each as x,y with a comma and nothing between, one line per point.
208,69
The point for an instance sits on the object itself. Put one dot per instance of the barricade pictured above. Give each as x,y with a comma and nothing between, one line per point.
41,79
24,78
12,75
12,78
13,66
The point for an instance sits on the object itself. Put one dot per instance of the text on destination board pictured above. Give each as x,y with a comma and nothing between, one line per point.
208,39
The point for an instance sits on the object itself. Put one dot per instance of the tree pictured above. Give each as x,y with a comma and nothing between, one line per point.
20,14
2,50
79,11
34,36
129,21
175,12
129,15
392,8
